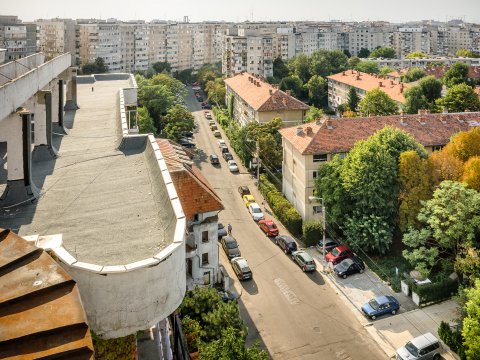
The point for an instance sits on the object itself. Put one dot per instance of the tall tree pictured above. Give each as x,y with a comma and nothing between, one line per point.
413,74
294,84
313,114
377,102
216,92
456,74
444,165
145,122
431,88
459,98
416,55
369,67
384,71
466,144
383,52
471,173
97,67
471,323
280,69
415,100
300,66
162,66
353,62
327,62
352,99
317,91
363,53
178,120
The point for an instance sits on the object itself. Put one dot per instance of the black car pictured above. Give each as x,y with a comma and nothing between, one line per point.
207,106
221,231
230,247
214,159
349,266
200,99
188,134
329,245
227,296
243,190
227,156
224,149
186,143
286,243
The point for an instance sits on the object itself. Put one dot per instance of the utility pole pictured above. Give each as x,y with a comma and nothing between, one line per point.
323,241
257,147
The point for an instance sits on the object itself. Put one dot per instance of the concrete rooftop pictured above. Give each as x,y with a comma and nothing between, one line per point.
99,198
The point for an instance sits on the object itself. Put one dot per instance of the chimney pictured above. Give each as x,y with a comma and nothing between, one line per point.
318,121
379,84
254,82
288,92
392,82
402,118
309,130
358,77
329,124
343,73
270,91
258,83
299,131
401,88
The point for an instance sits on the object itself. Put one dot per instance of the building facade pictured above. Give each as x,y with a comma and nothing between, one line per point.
56,37
17,38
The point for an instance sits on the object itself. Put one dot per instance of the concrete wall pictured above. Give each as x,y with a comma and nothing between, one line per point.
289,117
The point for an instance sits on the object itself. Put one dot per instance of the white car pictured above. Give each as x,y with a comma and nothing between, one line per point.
221,143
232,166
256,212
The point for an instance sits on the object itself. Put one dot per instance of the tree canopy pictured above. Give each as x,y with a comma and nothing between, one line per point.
466,53
328,62
456,74
369,67
97,67
300,66
383,52
363,53
161,66
459,98
416,55
413,74
317,90
471,323
377,102
352,99
280,69
294,84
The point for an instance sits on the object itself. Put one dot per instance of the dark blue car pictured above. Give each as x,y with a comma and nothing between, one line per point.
381,305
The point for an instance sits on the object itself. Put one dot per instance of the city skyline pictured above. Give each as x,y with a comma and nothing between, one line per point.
212,10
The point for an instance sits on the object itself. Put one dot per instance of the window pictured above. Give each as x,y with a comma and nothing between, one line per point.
437,148
205,259
320,158
204,236
317,209
315,173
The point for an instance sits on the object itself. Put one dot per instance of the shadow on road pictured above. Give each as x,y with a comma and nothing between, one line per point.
250,286
316,277
253,333
199,158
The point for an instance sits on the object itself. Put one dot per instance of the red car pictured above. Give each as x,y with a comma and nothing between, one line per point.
268,227
338,254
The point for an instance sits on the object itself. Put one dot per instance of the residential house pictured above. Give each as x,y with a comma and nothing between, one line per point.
256,100
308,146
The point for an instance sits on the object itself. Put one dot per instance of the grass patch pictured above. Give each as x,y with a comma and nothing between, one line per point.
384,266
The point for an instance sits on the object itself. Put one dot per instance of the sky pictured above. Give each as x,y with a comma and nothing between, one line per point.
237,11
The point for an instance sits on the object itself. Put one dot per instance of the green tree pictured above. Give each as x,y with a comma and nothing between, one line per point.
224,315
231,346
459,98
415,187
377,102
415,100
280,69
422,254
293,83
300,66
317,91
369,67
466,53
384,71
269,140
145,122
467,264
471,173
313,114
416,55
184,75
456,74
327,62
471,323
97,67
352,99
383,52
413,74
157,99
353,62
216,92
173,85
198,302
162,66
178,120
431,88
363,53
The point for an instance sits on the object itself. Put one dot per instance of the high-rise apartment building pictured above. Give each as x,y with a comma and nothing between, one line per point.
19,39
55,37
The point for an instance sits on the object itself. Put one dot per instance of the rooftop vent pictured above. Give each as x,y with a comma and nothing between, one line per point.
270,91
309,130
299,131
289,92
329,124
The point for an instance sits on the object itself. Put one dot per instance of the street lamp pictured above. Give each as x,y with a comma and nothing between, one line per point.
315,199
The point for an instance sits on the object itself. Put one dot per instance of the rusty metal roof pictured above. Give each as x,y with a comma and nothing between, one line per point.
41,314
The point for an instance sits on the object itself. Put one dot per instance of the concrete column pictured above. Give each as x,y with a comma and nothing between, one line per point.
43,149
71,103
20,188
61,104
58,104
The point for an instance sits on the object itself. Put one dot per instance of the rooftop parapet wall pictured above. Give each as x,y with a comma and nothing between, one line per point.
33,78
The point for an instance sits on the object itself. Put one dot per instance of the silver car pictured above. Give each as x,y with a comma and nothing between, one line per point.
423,347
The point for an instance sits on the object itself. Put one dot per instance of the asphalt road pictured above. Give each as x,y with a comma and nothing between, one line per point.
295,315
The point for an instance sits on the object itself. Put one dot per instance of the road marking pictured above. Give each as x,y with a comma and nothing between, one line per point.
285,290
342,355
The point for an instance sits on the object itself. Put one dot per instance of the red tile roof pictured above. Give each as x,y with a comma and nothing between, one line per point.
41,313
194,191
369,82
262,96
340,135
439,71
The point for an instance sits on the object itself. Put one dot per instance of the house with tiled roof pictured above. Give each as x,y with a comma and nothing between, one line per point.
339,86
253,99
201,206
308,146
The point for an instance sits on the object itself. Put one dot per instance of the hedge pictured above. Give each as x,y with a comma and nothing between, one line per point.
453,339
435,292
281,207
312,232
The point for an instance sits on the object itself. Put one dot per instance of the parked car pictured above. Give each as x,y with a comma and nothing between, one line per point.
224,149
199,98
338,254
227,296
208,116
329,245
214,159
217,134
232,166
287,243
241,268
186,143
423,347
268,227
211,123
256,212
230,246
243,190
227,156
381,305
207,106
349,266
188,134
213,127
221,231
304,260
248,199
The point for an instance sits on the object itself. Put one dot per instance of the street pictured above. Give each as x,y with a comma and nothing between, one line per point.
295,315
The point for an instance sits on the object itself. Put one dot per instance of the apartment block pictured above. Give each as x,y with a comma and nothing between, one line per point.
19,39
56,37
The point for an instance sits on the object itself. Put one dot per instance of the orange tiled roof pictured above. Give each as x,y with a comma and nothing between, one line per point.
397,73
262,96
41,313
439,71
194,191
368,82
477,91
340,135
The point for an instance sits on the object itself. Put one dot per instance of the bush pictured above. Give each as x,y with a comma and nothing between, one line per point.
283,210
312,232
435,292
122,348
453,339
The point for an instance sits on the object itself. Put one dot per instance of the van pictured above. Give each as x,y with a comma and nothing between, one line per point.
423,347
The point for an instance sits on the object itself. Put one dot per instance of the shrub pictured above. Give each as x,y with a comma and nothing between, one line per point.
122,348
283,210
452,338
312,232
435,292
191,328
